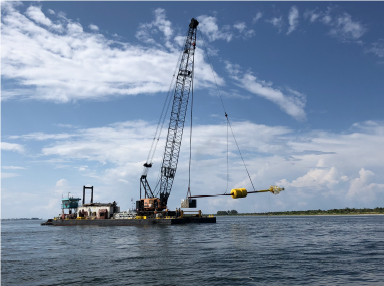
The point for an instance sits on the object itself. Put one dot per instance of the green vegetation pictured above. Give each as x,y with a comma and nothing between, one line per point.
346,211
232,212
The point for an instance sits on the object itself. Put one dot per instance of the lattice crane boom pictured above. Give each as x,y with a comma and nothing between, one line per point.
184,81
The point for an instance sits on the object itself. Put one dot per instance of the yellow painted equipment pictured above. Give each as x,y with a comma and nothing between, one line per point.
273,189
238,193
198,213
242,193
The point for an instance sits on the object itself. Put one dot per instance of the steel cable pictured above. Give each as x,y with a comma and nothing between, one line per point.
190,134
163,114
226,115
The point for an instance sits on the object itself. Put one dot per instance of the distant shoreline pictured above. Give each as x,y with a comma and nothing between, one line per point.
22,218
334,212
301,214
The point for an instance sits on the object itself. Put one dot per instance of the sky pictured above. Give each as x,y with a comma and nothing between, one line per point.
83,85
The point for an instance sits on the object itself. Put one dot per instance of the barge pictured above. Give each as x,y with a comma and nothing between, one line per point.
108,214
131,222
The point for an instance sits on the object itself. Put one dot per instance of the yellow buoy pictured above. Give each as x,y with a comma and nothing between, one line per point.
244,191
238,193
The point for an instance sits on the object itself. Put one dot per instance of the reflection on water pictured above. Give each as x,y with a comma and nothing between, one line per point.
234,251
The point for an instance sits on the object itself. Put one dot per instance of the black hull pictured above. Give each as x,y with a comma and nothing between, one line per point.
130,222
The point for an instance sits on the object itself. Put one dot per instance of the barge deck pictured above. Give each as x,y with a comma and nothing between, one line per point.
130,222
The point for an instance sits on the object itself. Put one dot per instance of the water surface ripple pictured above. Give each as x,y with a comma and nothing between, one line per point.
316,250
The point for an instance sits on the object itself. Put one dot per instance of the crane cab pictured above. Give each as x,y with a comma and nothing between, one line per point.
151,204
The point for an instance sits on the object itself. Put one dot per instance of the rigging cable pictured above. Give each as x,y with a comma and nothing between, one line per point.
169,104
163,114
205,47
190,134
159,127
226,115
240,153
227,162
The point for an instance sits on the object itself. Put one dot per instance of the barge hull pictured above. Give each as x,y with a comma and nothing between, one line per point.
130,222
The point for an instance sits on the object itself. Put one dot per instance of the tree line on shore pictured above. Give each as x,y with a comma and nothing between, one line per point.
312,212
232,212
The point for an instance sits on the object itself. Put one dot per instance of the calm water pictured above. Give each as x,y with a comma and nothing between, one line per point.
337,250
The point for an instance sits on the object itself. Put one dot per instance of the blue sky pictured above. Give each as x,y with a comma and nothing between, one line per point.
83,84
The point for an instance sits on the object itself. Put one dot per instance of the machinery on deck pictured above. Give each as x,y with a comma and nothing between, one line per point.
157,201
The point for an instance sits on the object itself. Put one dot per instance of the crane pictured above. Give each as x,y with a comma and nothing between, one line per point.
157,201
153,200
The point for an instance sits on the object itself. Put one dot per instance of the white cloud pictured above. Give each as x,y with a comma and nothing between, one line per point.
232,93
362,188
14,93
276,22
370,127
312,15
292,104
248,34
346,29
12,147
326,19
12,168
337,149
50,206
377,48
344,178
36,14
321,163
93,27
208,26
61,183
315,15
293,19
123,148
332,178
315,179
313,166
42,136
258,16
125,144
104,144
124,181
91,66
8,175
82,168
342,26
64,125
160,23
240,26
